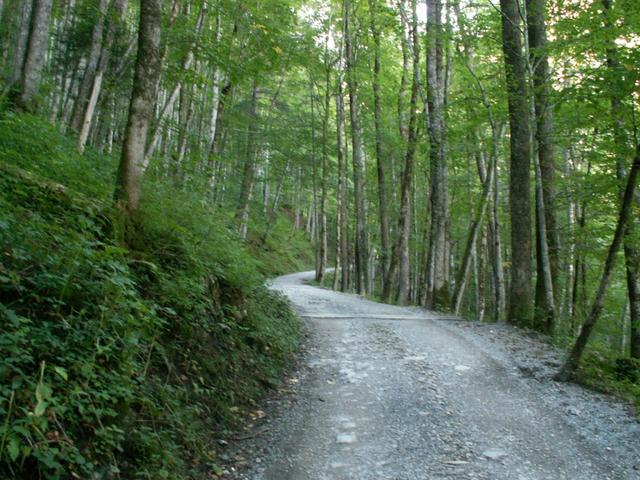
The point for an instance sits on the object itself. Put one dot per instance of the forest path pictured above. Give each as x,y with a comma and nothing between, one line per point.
386,392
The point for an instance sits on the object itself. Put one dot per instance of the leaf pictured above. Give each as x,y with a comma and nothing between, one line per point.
62,372
13,448
41,407
43,392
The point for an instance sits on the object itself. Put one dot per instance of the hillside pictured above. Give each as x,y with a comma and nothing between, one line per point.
125,362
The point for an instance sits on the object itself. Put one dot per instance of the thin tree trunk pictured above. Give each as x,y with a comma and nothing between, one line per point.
343,222
361,248
273,211
403,123
398,273
248,176
143,97
119,7
630,245
324,200
437,294
547,242
84,90
573,361
377,112
168,107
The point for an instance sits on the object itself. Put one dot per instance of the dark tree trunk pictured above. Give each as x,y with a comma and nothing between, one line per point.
380,168
437,294
539,62
249,169
520,294
572,363
361,248
630,245
398,273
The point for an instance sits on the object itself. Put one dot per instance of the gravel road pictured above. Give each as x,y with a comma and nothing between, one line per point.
384,392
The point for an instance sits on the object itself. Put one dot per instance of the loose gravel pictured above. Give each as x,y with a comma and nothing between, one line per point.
385,392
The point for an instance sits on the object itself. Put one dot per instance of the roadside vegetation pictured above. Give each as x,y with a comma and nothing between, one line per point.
125,362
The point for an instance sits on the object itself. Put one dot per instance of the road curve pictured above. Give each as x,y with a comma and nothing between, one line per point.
395,393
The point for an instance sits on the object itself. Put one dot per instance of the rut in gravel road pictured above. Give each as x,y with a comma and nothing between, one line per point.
386,392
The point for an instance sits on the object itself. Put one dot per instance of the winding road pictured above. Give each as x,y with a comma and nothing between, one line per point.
386,392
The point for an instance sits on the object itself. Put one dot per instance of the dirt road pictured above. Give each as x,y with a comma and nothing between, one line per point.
396,393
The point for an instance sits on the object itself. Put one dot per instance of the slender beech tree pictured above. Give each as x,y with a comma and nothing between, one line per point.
520,295
630,245
143,97
547,243
114,23
91,64
380,167
324,175
398,274
357,148
342,223
573,361
249,166
34,55
437,294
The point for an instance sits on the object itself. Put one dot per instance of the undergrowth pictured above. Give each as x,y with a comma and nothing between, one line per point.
124,363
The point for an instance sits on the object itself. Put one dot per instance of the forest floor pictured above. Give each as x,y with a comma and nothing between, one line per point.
384,392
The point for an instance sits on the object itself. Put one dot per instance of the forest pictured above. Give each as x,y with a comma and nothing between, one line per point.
160,159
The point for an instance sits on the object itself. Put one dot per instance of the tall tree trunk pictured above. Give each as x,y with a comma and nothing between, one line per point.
118,7
547,242
342,237
324,199
314,179
249,170
377,112
437,294
630,245
21,42
84,90
520,295
34,58
361,248
403,92
143,97
399,271
175,93
571,365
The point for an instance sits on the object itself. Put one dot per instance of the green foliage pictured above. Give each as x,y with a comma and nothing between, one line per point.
121,363
604,371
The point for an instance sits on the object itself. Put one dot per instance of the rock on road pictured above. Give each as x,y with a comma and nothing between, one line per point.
396,393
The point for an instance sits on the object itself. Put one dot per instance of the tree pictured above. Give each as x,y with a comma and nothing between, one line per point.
547,243
437,294
361,236
143,97
34,57
520,299
573,361
380,167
